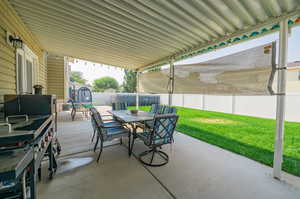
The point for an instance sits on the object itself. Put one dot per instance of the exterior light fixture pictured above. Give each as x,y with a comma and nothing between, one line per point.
16,42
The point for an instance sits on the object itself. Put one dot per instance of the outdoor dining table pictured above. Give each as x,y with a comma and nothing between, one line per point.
126,117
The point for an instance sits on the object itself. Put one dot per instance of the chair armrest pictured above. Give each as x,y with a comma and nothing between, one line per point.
118,125
108,120
109,127
107,115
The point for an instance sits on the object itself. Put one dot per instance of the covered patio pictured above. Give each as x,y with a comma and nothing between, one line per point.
196,170
38,38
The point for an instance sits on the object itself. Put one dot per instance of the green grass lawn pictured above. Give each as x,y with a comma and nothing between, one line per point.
249,136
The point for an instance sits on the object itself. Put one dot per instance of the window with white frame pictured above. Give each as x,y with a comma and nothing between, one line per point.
26,63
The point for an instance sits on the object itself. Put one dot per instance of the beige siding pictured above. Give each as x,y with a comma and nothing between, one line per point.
7,66
10,21
292,75
293,82
56,76
42,73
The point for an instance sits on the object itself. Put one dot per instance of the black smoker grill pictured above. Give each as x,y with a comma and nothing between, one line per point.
27,135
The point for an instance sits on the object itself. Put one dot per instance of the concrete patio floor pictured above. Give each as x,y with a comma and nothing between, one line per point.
196,170
75,136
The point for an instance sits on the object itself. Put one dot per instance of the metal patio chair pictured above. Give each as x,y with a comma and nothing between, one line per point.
84,95
107,131
160,109
161,134
169,110
119,106
106,121
77,107
154,108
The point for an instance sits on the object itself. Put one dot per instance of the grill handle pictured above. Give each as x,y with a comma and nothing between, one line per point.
16,116
7,124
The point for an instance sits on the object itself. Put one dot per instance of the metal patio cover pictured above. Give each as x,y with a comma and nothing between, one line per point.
138,33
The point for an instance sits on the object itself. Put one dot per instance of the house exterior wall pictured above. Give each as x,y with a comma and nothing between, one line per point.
293,81
11,22
67,76
56,76
7,66
293,75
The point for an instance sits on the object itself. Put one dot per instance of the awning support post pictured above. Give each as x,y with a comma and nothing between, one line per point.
281,88
171,83
137,90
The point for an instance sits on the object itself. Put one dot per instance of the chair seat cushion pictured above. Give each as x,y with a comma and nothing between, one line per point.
113,132
87,106
77,106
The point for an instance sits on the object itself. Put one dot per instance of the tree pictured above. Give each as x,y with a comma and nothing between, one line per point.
76,76
129,84
101,84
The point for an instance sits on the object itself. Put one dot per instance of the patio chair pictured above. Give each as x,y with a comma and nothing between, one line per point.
111,121
84,95
161,109
154,108
76,107
107,131
74,110
161,134
119,106
94,128
169,110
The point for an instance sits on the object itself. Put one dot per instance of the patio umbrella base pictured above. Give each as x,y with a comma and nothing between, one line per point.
150,157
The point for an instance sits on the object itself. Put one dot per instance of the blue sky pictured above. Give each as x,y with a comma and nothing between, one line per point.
93,71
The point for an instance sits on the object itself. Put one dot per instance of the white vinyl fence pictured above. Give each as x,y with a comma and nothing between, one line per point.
259,106
103,99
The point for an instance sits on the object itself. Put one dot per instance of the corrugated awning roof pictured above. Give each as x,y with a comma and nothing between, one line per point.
139,33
